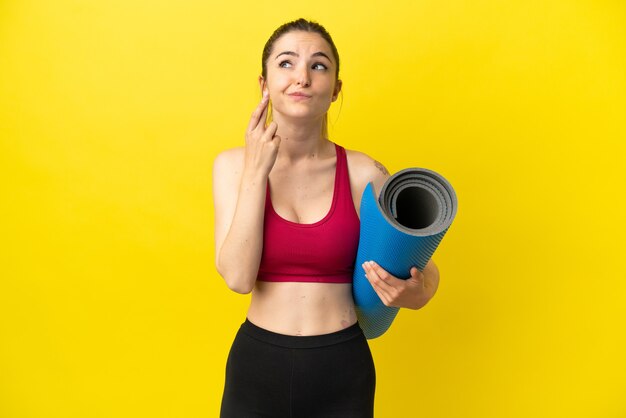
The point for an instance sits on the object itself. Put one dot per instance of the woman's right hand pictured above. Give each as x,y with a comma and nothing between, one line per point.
261,142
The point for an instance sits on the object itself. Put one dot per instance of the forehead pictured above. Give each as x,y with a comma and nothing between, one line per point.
305,42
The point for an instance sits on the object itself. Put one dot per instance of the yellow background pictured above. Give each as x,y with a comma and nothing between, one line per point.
112,111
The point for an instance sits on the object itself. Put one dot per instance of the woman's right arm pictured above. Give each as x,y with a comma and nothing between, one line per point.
239,199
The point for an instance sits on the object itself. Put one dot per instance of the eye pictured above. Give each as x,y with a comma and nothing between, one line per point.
316,65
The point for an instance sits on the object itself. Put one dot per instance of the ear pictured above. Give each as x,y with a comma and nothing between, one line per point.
338,85
262,84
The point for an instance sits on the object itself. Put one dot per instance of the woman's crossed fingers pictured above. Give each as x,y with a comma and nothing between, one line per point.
259,114
261,142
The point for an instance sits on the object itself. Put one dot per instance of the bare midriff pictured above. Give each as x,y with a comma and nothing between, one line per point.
302,308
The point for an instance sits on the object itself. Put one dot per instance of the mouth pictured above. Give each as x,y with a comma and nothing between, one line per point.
297,96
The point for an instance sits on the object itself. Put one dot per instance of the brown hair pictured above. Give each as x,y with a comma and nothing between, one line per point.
306,26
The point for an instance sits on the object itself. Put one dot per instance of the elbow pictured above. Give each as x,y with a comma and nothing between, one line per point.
237,284
239,287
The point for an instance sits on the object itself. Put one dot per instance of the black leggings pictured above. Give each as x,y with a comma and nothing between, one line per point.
282,376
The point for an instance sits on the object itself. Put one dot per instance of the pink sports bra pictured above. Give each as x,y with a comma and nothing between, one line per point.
324,251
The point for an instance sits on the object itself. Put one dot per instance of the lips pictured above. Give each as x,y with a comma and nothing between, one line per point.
299,95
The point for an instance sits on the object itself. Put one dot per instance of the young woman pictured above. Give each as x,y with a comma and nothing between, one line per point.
287,230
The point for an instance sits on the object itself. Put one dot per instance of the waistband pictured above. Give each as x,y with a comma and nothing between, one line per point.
306,341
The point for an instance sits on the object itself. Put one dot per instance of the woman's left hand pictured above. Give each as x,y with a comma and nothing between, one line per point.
412,293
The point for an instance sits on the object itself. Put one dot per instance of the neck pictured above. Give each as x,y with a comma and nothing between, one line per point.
300,140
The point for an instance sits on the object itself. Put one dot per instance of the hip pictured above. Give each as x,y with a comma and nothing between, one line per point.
272,374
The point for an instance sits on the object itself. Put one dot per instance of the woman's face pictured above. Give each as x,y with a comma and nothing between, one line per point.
301,62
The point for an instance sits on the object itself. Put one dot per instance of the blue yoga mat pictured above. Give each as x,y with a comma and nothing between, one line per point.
399,230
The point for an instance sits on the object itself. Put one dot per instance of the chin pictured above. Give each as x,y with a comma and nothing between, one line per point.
298,113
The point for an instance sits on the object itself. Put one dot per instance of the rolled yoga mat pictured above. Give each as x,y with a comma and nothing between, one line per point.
400,230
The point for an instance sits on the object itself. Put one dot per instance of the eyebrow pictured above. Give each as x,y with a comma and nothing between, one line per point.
316,54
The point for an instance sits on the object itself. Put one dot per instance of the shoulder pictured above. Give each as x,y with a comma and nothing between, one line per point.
227,171
229,159
365,169
228,165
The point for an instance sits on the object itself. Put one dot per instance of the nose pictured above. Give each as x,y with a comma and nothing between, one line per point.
303,78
